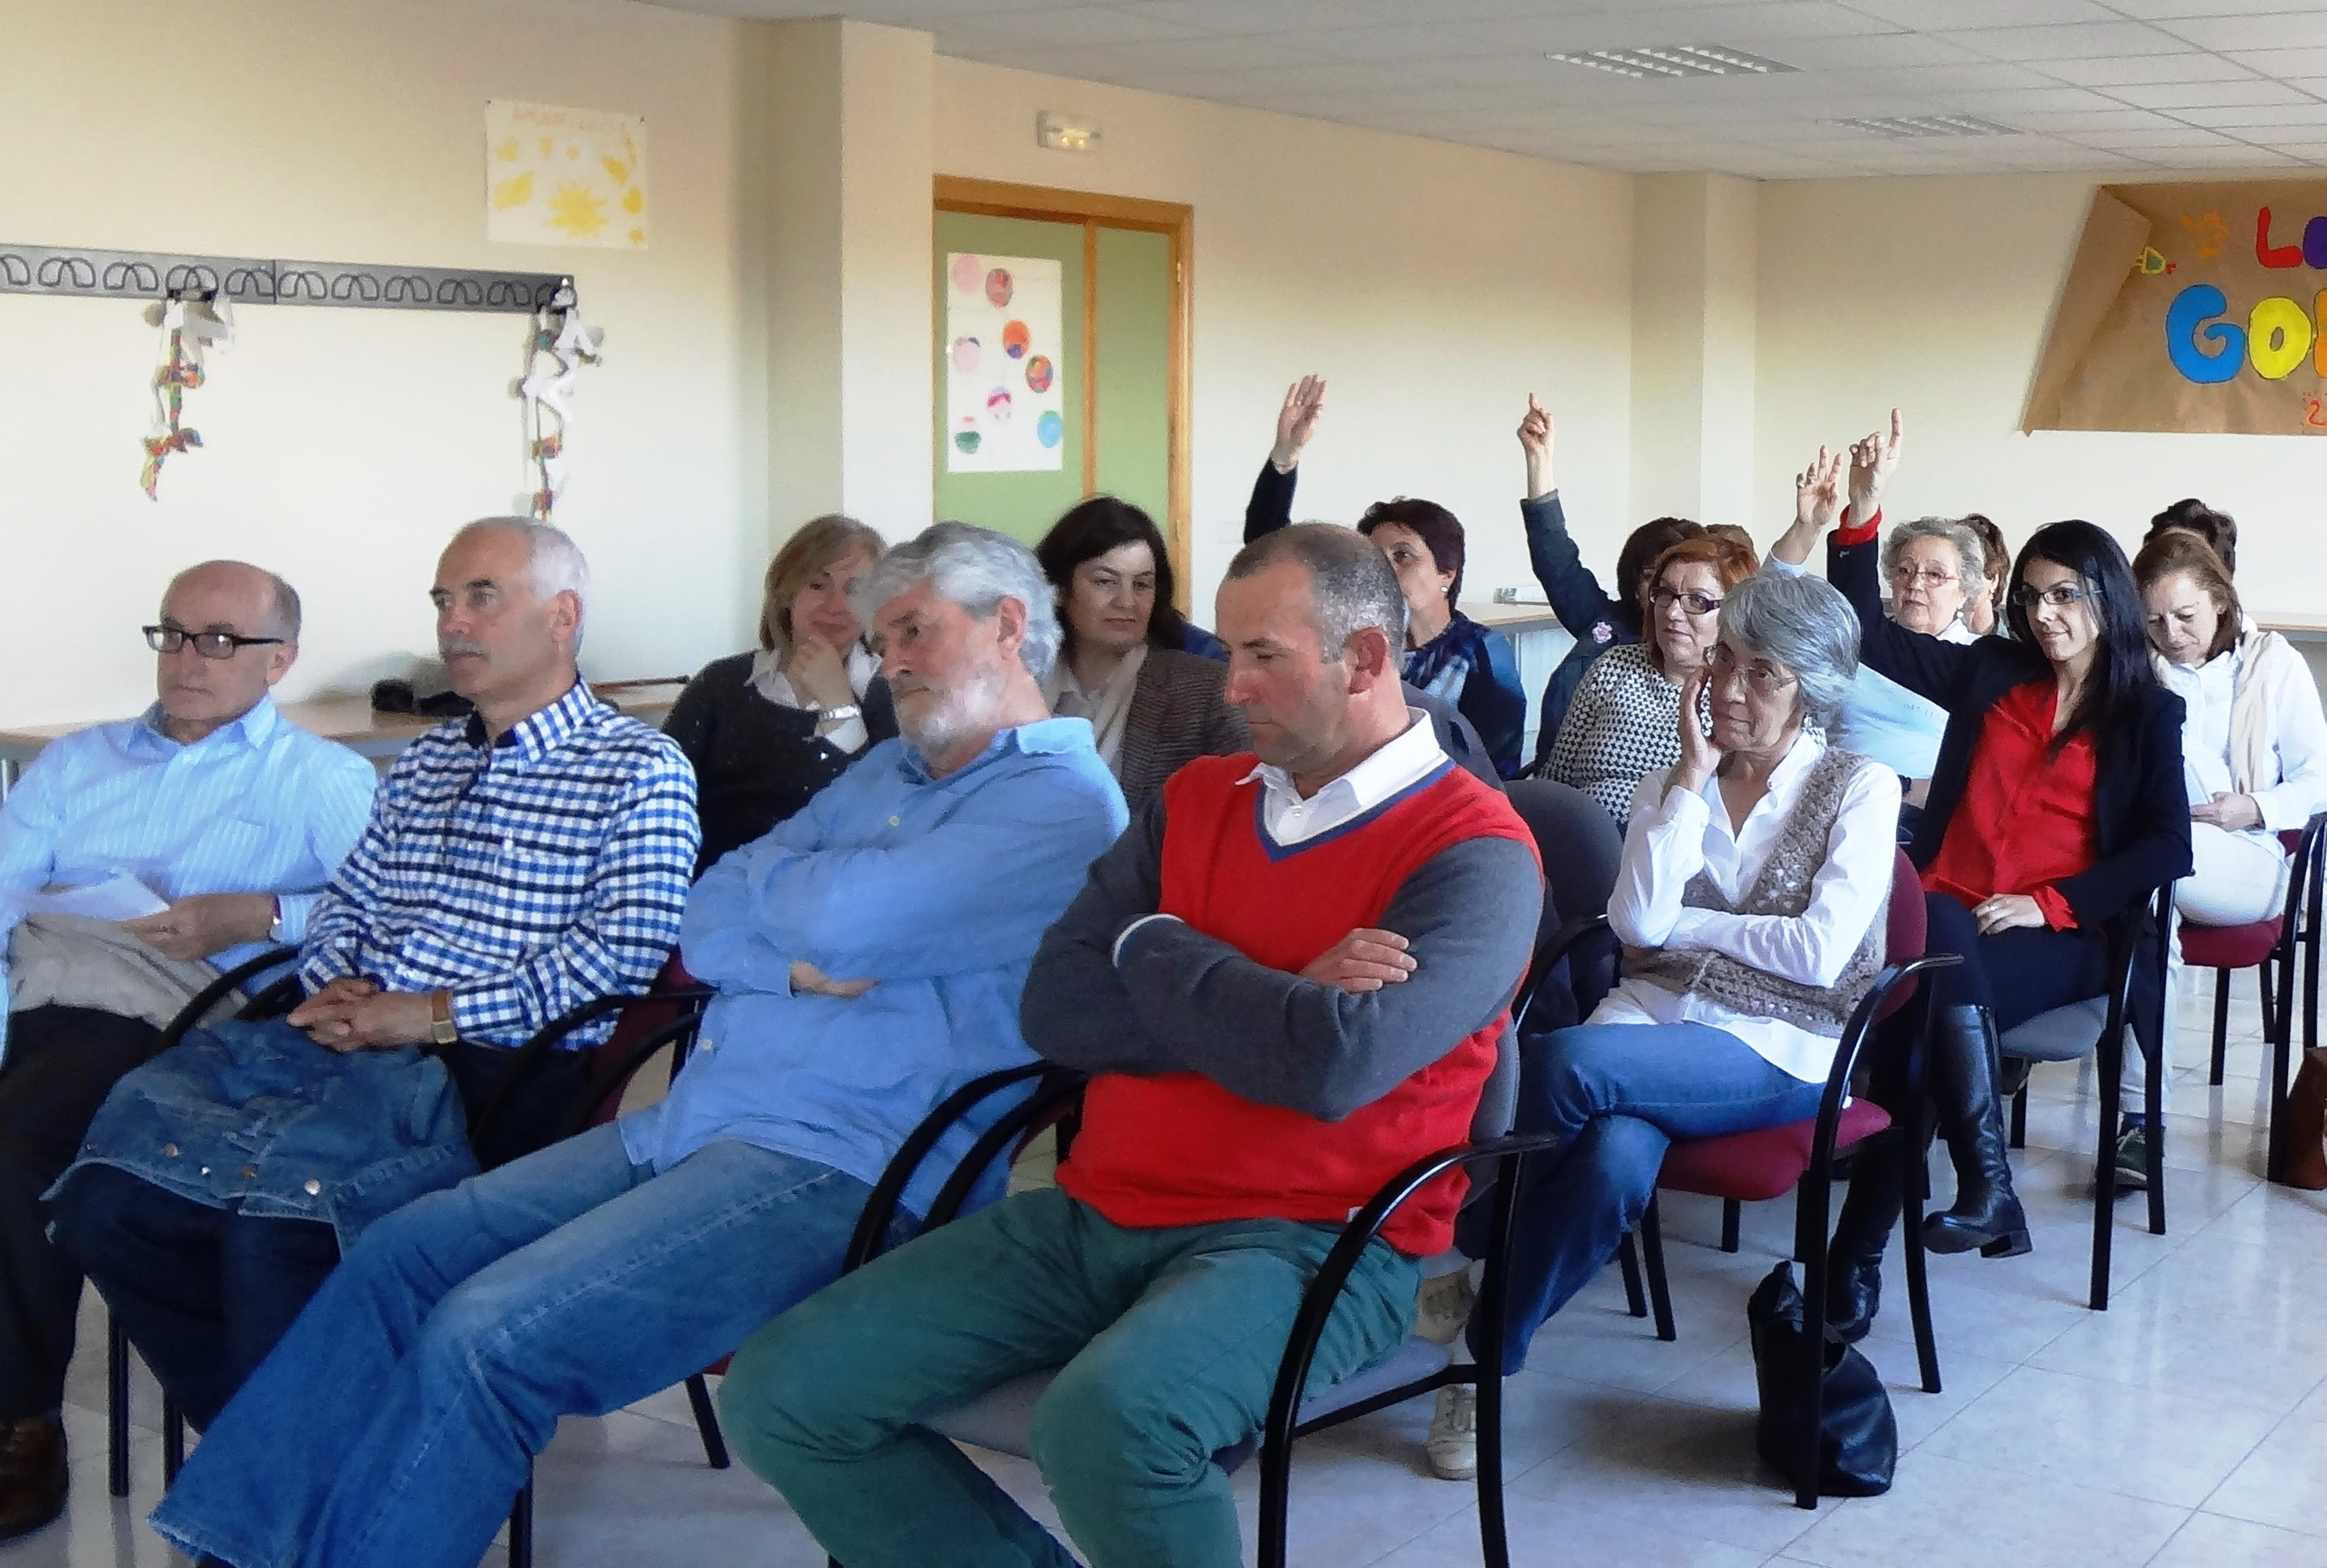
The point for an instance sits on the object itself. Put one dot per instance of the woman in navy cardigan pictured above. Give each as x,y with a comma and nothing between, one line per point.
2056,807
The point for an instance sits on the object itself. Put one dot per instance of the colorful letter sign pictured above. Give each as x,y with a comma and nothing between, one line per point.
2193,307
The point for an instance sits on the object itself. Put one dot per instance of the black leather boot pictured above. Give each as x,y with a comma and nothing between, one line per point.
1853,1259
1985,1214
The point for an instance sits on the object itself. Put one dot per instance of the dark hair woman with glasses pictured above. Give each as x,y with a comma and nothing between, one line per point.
1623,723
2057,804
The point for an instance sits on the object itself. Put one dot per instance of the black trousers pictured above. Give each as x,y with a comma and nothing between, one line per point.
61,1063
2015,974
204,1294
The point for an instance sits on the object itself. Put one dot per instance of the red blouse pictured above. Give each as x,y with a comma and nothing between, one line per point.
2026,821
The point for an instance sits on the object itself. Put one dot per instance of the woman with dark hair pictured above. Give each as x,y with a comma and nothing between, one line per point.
2056,805
1122,665
1597,619
768,729
1624,723
2192,516
1448,654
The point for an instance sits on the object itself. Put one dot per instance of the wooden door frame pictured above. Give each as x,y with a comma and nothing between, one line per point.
1095,211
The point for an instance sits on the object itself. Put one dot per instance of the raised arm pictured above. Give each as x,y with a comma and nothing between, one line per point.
1312,1045
1575,595
1271,506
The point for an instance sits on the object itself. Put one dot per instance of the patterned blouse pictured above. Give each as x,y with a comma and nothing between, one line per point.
1623,724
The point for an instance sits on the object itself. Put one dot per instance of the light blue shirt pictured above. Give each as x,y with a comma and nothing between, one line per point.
939,888
257,806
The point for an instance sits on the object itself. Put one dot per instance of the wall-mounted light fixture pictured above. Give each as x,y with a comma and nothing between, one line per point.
1066,133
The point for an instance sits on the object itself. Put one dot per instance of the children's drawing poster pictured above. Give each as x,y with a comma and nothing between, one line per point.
1005,404
2192,306
565,176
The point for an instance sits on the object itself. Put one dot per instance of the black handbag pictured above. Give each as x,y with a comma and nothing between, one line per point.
1857,1436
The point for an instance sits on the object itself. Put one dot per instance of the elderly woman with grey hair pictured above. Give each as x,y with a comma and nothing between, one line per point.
1750,903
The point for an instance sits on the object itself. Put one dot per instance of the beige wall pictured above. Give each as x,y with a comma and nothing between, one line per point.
1935,294
1433,285
343,447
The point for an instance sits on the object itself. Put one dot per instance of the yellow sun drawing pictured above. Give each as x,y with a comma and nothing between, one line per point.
513,192
578,211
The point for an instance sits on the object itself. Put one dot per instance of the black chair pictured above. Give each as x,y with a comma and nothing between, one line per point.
2096,1027
612,1065
1000,1419
2306,892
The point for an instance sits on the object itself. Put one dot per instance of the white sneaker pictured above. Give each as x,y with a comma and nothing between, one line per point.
1442,1308
1453,1446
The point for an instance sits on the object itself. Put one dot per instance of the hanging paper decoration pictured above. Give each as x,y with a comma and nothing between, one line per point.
193,326
562,344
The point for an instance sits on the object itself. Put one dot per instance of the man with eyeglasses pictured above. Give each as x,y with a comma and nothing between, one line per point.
212,800
520,861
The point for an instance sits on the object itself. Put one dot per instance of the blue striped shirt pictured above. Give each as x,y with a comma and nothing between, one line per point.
257,806
527,876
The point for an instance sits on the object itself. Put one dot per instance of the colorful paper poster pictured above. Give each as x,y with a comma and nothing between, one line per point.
2194,306
562,176
1006,400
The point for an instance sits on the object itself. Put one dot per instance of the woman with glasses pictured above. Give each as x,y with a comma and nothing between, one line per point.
2056,805
1749,899
1152,706
1623,723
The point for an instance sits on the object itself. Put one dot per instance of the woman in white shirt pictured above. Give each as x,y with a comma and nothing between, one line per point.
1750,903
2254,742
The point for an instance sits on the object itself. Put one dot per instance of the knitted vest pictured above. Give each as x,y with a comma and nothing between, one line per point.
1177,1148
1783,888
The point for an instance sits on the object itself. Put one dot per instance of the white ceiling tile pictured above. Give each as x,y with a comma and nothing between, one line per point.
2298,28
2127,71
2265,117
1414,42
1940,15
2155,10
2285,63
2034,99
2067,40
1873,51
2226,158
1927,81
1064,27
2146,140
2088,120
2182,94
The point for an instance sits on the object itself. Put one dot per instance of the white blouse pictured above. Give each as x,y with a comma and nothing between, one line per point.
2266,676
1676,834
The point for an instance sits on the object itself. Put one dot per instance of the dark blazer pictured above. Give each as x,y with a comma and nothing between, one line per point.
756,761
1179,713
2140,805
1595,619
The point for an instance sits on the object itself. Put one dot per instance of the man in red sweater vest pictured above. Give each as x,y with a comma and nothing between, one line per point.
1286,981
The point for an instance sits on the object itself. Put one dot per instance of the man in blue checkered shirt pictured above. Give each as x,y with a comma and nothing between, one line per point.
518,864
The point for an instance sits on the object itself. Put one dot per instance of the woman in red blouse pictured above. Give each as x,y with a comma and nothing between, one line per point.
2057,804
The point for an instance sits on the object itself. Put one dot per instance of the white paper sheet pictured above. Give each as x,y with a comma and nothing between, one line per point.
120,897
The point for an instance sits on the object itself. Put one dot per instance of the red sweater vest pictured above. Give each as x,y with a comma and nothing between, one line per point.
1177,1148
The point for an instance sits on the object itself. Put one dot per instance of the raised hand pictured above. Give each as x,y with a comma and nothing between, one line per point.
1297,422
1535,440
1873,460
1818,492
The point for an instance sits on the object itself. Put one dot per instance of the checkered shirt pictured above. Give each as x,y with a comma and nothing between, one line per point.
527,876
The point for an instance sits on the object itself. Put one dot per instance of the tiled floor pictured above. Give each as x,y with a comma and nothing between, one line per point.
2184,1428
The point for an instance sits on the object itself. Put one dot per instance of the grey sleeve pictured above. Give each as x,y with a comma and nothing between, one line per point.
1469,917
1074,1009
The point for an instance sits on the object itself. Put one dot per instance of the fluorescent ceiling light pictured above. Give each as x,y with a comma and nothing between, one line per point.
1930,126
1684,61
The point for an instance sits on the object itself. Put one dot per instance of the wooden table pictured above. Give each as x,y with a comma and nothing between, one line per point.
351,720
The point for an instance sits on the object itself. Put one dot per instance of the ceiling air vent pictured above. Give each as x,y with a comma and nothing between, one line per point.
1930,126
1686,61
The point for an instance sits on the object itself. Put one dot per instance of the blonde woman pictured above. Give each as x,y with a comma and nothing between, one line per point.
768,729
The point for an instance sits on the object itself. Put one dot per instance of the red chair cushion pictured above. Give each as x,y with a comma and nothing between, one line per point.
2228,947
1765,1164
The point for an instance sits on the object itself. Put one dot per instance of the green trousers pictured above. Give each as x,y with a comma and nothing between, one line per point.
1168,1342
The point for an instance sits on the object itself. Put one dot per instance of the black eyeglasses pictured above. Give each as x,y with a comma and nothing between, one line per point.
1692,605
208,644
2059,595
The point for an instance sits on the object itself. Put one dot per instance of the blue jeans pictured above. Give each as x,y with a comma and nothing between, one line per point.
393,1425
1619,1093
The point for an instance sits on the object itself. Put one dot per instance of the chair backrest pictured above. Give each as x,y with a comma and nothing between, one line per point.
1907,928
1579,847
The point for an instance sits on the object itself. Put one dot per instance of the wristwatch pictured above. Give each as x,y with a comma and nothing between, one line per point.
839,716
440,1019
